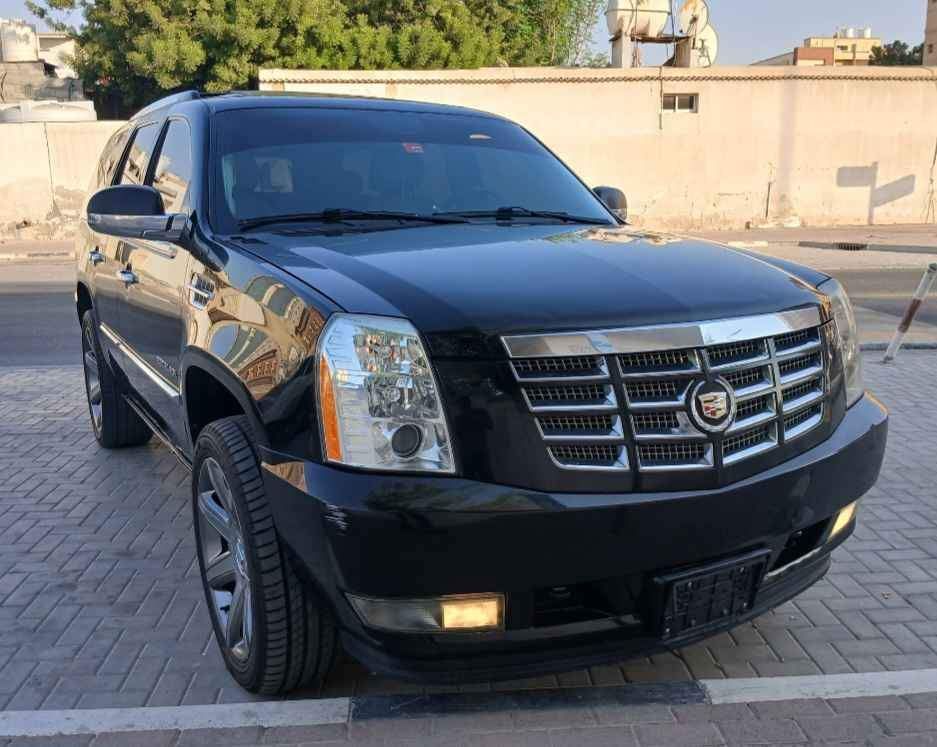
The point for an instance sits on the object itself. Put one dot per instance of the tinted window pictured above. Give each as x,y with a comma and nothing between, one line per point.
174,166
283,161
110,157
139,156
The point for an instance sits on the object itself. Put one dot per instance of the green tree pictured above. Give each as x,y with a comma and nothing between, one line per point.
144,48
134,51
561,28
898,53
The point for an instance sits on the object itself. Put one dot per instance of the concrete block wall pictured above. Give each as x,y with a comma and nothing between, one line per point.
46,170
840,146
836,146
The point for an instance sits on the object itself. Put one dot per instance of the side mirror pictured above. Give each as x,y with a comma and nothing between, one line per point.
614,200
131,211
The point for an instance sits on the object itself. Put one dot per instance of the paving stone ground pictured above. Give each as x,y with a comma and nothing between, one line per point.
100,604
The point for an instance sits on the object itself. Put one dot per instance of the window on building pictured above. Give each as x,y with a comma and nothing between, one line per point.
680,102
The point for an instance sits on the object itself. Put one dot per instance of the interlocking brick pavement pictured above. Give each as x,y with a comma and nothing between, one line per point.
100,603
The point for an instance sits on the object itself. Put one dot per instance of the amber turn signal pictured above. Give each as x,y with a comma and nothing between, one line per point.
329,413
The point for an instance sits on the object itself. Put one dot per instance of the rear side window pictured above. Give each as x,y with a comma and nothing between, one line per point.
174,166
139,157
110,158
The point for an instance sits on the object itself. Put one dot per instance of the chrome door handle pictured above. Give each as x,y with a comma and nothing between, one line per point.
128,277
95,257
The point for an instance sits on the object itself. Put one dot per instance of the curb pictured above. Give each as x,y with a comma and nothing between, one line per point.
858,246
328,716
59,256
877,347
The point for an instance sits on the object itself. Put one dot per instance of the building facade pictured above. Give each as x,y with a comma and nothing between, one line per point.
848,46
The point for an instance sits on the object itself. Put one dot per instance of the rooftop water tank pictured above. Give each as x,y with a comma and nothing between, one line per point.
647,18
18,41
867,32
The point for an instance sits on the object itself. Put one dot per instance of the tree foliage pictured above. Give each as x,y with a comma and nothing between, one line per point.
897,53
141,49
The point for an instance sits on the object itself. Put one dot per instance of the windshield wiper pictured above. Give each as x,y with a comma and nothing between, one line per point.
342,215
509,213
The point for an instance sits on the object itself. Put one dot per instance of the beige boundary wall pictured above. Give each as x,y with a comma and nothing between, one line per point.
831,147
45,170
828,147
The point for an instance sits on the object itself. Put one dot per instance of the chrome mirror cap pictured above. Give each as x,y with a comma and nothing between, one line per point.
169,227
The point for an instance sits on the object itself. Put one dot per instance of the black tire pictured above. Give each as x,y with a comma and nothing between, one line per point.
292,634
114,422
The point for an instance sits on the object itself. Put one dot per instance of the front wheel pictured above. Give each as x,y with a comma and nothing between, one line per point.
274,633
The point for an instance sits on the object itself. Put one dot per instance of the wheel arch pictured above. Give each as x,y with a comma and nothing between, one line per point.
84,301
211,392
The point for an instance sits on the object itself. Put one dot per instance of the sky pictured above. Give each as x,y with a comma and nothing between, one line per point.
751,30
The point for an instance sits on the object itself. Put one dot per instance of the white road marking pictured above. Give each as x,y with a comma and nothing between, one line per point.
227,716
759,689
337,710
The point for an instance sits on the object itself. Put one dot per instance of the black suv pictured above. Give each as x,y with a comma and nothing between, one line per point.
441,404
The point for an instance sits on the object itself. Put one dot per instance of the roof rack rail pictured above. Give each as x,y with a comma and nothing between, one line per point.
175,98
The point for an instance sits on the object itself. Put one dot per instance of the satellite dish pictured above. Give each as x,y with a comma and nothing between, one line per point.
706,47
693,17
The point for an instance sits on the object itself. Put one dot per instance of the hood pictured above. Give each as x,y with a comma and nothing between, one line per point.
497,279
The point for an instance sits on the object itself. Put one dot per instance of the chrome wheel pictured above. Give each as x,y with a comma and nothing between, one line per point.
93,380
225,559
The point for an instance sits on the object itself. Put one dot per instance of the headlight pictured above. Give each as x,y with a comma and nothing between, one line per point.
379,406
848,340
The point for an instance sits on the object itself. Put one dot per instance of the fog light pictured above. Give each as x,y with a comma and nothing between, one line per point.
465,613
843,519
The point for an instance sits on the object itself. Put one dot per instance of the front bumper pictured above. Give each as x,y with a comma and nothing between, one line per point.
396,536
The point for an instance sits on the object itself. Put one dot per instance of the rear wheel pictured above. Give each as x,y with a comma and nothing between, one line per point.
273,631
113,421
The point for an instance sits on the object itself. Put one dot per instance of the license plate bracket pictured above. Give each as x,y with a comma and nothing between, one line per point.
691,601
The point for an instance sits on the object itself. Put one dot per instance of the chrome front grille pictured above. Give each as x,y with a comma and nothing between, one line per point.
565,397
675,454
534,369
668,360
620,409
590,456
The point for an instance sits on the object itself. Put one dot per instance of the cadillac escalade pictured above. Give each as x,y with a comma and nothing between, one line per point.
442,406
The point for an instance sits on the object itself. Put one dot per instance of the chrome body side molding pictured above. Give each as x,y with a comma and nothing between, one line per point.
167,387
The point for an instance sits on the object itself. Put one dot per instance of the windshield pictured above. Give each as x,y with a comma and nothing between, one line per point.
301,162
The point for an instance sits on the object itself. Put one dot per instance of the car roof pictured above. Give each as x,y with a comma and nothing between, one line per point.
278,99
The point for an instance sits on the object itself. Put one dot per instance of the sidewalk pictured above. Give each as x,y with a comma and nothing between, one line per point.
890,247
